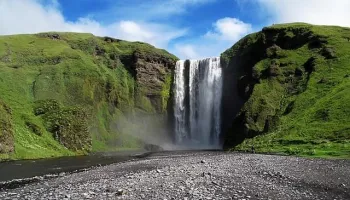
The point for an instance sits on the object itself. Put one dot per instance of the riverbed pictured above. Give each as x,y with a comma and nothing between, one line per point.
199,175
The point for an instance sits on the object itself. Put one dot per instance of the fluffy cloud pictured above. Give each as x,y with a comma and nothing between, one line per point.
325,12
186,51
156,34
31,16
225,32
230,29
199,49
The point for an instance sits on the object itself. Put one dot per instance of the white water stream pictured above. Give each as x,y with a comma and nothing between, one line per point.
197,106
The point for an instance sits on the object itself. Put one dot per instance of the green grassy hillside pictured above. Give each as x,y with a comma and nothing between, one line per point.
60,93
295,82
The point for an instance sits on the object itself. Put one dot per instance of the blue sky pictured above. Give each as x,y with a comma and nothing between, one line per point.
186,28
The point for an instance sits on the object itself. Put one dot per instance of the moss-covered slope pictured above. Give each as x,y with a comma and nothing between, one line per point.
6,129
62,92
293,82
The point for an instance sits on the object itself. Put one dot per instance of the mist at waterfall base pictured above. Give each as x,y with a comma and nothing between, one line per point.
197,104
196,120
150,131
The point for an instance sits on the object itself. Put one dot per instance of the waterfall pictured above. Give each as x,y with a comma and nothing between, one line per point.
197,103
179,111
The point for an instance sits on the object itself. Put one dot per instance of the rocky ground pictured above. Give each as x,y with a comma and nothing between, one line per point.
199,175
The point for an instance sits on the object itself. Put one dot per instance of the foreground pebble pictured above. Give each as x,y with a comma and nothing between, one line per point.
200,175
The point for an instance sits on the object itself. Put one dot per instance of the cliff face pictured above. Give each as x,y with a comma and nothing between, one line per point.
154,74
66,91
289,85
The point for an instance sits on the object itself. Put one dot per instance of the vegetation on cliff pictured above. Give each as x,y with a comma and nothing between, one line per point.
62,92
6,129
294,80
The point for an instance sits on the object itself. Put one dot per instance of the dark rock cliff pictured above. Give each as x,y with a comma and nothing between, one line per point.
154,74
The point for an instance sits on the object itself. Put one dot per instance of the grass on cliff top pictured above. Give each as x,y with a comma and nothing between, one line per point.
75,69
319,123
87,42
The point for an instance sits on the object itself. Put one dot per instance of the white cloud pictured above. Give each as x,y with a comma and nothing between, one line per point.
30,16
230,29
153,9
225,32
200,48
186,51
156,34
323,12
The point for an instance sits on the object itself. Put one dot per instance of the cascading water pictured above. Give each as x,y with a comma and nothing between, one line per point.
179,112
197,106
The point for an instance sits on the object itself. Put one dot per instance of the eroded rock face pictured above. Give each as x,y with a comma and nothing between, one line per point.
154,76
6,129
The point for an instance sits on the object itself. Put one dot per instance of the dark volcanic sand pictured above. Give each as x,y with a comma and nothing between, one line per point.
200,175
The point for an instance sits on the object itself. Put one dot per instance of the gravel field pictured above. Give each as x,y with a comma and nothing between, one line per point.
199,175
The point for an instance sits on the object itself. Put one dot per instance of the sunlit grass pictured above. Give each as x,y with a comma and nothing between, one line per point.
76,69
318,123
